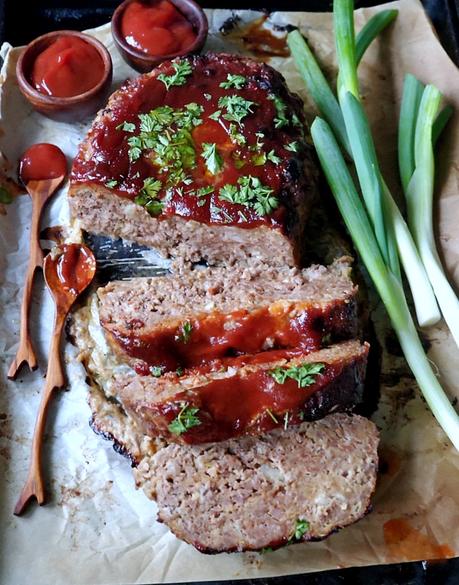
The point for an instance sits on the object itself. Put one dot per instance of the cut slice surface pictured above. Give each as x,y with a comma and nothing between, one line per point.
246,395
208,314
257,492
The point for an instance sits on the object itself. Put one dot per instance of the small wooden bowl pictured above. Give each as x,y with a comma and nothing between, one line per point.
143,62
68,109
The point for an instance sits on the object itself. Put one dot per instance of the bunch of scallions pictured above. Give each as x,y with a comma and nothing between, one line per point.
384,240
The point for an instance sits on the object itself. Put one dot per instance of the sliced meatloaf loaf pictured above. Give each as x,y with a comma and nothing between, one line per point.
256,492
204,157
245,396
201,315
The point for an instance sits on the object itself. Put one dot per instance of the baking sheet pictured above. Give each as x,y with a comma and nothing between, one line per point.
97,529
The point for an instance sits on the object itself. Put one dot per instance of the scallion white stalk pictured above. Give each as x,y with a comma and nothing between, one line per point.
419,198
388,286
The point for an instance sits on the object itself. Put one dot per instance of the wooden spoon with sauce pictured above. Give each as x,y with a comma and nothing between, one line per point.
42,169
68,270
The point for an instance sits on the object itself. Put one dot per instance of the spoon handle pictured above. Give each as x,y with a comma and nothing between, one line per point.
25,352
55,379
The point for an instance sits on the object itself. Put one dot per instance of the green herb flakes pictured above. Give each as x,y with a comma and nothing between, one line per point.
203,191
216,115
237,108
182,70
185,332
235,136
148,196
251,193
156,371
280,119
111,184
214,161
302,374
292,146
272,157
271,415
301,527
126,126
185,420
234,81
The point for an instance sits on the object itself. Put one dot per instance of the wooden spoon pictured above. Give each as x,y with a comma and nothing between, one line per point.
42,169
68,269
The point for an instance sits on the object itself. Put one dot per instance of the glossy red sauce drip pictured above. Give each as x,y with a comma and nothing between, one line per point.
212,339
253,401
41,162
73,268
109,146
156,28
66,68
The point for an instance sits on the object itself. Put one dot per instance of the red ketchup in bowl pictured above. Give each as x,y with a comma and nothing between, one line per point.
66,68
156,28
41,162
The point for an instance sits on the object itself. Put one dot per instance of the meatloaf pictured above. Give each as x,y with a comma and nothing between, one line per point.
184,321
257,492
204,157
265,391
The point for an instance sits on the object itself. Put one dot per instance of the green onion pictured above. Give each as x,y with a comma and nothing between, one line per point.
389,287
371,30
440,122
411,98
419,198
317,85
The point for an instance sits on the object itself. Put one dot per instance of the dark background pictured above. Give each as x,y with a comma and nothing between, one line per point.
20,22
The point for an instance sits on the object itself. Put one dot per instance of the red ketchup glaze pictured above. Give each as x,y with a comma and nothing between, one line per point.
212,339
74,267
67,67
41,162
109,146
156,28
249,403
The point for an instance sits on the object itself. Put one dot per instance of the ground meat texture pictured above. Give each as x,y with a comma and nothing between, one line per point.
195,317
187,223
248,395
257,492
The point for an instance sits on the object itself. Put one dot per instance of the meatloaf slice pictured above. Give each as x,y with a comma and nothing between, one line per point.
204,157
248,396
256,492
169,322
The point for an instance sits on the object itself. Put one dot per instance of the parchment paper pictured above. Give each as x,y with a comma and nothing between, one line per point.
97,529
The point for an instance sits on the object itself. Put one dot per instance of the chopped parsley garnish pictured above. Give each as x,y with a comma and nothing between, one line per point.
280,119
271,415
214,161
156,371
292,146
179,371
203,191
126,126
216,115
185,332
111,184
272,156
221,213
236,81
301,527
148,196
302,374
5,196
235,136
237,108
260,158
251,193
208,96
185,420
182,70
165,134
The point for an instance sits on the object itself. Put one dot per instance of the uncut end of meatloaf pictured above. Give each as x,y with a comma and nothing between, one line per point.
248,395
231,232
230,311
257,492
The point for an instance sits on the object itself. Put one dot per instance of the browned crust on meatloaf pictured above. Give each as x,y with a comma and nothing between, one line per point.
249,493
247,399
99,210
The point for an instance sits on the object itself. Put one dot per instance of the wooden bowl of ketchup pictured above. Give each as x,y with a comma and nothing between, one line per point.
65,75
148,32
